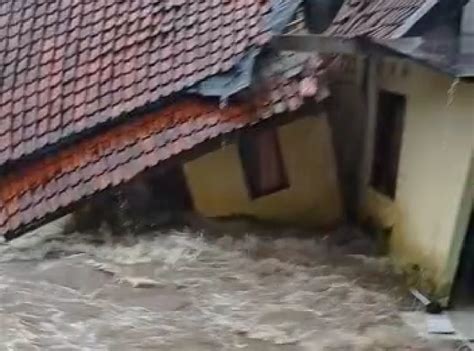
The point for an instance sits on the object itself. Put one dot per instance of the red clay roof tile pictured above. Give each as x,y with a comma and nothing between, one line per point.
76,64
378,18
119,154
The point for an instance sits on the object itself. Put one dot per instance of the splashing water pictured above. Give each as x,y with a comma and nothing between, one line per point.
183,290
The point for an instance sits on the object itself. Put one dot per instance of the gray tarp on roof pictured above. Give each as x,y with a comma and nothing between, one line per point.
240,77
452,56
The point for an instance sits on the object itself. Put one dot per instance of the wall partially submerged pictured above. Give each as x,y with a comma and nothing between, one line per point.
218,186
435,187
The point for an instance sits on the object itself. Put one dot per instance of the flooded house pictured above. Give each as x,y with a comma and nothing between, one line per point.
222,123
407,164
306,114
198,115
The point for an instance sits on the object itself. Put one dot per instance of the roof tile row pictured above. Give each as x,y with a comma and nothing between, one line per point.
118,155
67,66
375,18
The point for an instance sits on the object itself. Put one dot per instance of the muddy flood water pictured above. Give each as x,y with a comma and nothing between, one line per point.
184,290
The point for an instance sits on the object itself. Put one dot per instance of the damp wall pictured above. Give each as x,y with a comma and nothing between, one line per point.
217,184
430,212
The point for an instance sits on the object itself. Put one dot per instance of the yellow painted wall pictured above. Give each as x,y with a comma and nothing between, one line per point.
217,182
434,169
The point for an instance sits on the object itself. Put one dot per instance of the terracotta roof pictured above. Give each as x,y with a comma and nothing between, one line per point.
69,65
117,155
378,18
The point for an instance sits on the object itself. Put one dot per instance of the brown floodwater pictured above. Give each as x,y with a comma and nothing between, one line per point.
184,290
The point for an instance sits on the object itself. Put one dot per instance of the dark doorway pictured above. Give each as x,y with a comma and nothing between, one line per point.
388,140
463,293
156,198
169,189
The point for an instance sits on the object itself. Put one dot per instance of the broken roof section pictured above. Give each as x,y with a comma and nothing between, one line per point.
116,156
88,63
67,66
240,76
378,18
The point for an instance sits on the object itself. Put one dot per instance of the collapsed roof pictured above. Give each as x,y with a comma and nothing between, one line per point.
67,66
92,93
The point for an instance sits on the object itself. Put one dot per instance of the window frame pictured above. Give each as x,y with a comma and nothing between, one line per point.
248,146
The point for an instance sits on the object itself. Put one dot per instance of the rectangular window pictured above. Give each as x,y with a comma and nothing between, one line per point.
262,163
388,140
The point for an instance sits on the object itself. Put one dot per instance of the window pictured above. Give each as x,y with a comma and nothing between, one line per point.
262,163
388,139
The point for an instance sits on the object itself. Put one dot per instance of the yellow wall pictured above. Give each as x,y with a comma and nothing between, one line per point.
430,213
218,186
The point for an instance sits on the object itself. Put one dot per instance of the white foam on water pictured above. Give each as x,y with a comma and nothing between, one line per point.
182,290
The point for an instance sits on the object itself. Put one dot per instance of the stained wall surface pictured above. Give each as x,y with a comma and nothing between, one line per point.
435,183
218,186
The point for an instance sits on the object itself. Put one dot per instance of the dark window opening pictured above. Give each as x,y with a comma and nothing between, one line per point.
388,140
263,164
